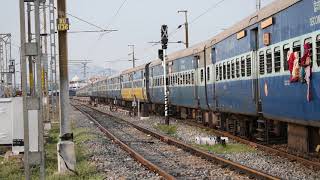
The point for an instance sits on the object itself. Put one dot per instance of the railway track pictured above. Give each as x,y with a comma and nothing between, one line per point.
292,157
265,148
168,157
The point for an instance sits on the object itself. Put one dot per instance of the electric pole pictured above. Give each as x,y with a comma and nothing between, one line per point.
186,26
24,86
258,4
65,147
45,65
164,42
31,65
39,91
53,61
84,64
133,56
7,64
32,50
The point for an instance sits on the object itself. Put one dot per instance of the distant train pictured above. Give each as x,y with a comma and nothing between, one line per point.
252,80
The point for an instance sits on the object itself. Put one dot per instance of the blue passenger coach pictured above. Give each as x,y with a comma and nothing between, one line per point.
250,79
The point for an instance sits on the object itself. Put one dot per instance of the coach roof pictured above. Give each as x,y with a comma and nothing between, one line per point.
264,13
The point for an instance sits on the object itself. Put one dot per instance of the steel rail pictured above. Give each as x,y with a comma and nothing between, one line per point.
265,148
135,155
227,163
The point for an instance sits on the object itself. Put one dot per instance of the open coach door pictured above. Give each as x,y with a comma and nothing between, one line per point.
254,43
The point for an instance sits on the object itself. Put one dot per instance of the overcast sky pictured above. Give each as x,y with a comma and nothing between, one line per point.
138,22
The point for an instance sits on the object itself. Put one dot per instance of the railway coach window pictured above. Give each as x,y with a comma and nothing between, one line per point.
309,41
192,78
201,75
217,73
286,49
248,60
237,68
224,71
269,61
277,59
172,80
220,72
232,70
228,70
243,67
318,50
261,62
297,48
175,78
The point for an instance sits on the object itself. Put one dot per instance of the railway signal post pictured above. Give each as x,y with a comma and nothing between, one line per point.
65,147
164,43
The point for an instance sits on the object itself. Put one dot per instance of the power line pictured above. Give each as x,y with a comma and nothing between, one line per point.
192,21
109,24
114,17
92,31
85,21
80,19
117,13
208,10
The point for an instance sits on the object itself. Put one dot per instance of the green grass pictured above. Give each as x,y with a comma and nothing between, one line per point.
228,149
168,129
14,169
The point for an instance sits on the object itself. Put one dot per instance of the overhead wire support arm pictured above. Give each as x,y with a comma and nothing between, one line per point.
93,31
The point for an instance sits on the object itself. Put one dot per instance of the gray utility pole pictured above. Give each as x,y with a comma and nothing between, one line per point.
84,63
39,87
24,89
133,56
53,61
164,42
45,64
35,100
65,147
31,65
6,68
186,26
258,4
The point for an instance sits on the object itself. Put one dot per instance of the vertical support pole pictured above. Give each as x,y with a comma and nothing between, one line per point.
31,77
133,55
24,89
133,58
187,29
1,61
53,61
39,87
186,26
166,114
139,108
65,147
164,42
45,64
258,4
85,71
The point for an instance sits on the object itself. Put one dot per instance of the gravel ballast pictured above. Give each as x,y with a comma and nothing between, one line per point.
268,163
108,157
